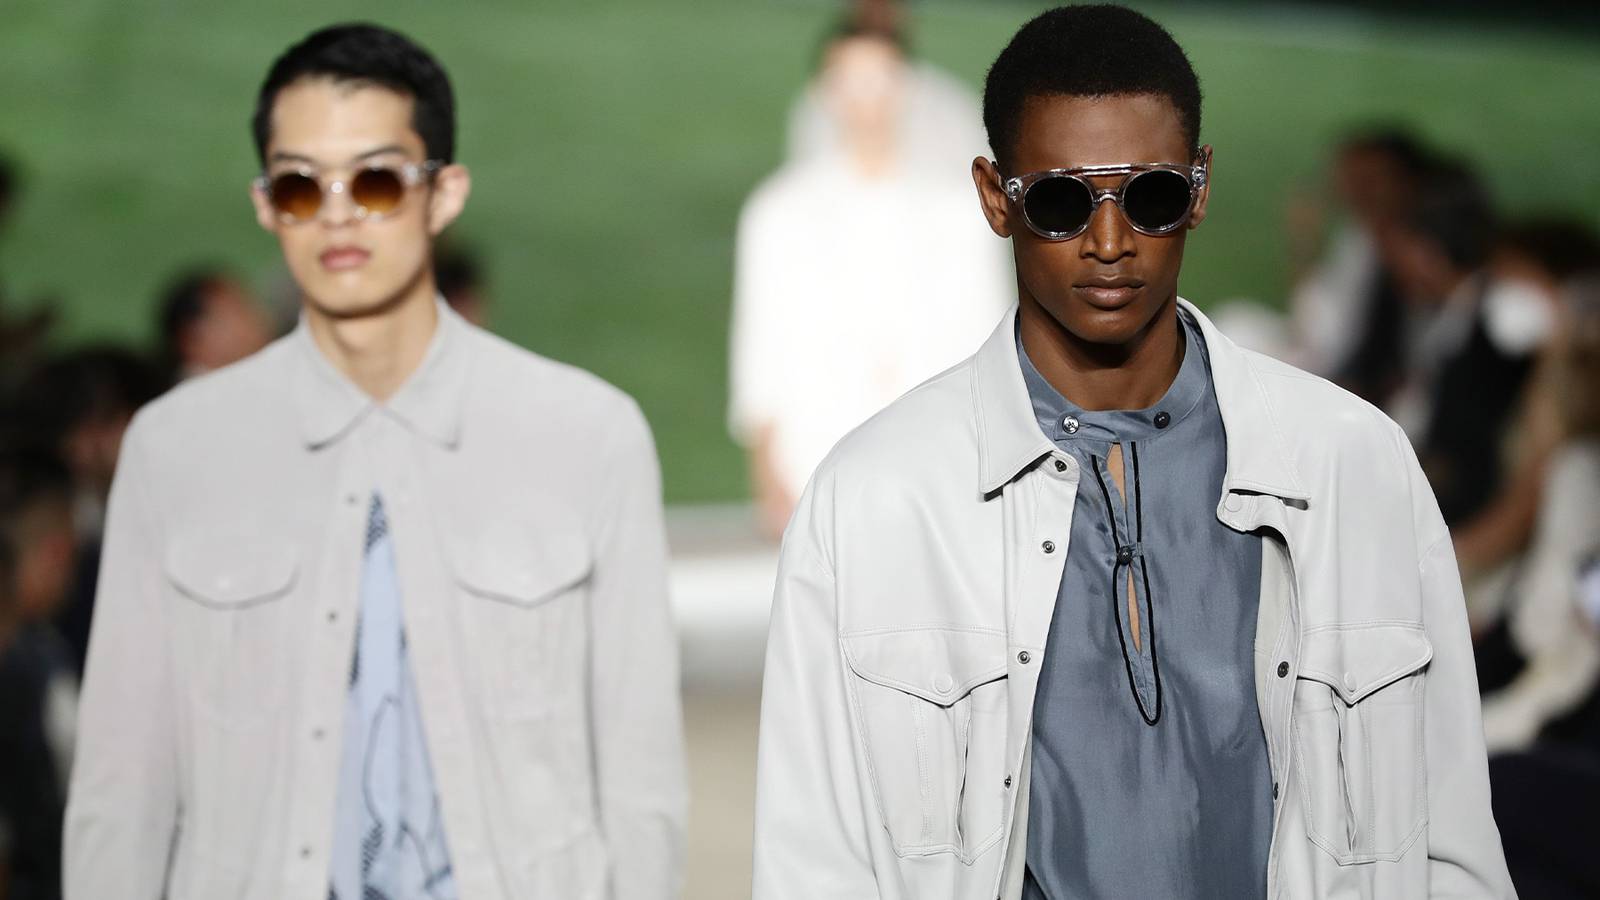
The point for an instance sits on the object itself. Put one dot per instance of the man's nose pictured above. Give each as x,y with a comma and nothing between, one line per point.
1108,237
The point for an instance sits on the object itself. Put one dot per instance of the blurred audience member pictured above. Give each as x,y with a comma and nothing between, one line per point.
38,687
1346,314
938,122
1468,350
1546,794
858,276
78,406
460,278
1532,263
208,320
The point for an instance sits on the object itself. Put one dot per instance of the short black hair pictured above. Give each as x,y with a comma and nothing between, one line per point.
1393,142
92,384
363,54
1563,247
1454,211
457,269
29,476
183,303
1087,51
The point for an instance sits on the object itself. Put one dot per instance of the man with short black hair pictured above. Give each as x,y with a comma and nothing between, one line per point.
208,320
383,610
1116,608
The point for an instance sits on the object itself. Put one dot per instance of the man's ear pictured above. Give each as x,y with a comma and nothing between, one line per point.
451,186
1198,214
992,197
266,216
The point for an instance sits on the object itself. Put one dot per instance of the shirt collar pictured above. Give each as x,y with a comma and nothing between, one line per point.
1064,421
429,402
1010,440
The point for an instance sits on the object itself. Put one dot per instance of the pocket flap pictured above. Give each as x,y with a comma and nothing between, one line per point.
231,571
940,665
509,563
1356,660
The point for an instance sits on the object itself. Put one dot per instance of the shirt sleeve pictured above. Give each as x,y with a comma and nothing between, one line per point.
638,720
122,808
810,829
756,364
1465,859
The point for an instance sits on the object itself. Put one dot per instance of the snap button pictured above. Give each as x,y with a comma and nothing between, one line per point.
943,684
1060,466
1349,681
1274,790
1124,555
1070,424
1283,670
1023,657
1048,546
1008,782
1233,503
1163,420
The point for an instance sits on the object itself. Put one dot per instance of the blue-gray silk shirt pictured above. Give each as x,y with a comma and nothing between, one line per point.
1150,775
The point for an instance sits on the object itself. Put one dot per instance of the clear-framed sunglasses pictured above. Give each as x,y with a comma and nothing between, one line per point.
1155,198
375,191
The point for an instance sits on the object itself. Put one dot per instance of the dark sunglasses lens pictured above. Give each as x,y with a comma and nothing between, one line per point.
1058,204
295,195
1156,200
378,191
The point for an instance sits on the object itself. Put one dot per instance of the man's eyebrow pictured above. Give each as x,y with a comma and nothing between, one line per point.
285,156
381,151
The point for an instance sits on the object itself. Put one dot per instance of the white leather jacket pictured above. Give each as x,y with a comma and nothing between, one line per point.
915,593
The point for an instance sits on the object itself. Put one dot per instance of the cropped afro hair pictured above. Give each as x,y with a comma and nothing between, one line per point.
1097,50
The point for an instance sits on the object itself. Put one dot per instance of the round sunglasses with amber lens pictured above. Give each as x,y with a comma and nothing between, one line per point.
1155,198
375,191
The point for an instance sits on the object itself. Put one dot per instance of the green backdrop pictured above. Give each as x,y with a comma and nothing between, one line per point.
613,142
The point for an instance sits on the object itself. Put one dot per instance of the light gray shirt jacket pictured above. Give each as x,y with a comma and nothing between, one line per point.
915,593
524,501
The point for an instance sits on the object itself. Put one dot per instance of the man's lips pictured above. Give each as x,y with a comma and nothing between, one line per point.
341,258
1110,291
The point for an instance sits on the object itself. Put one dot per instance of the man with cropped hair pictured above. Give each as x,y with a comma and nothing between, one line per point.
382,611
1116,608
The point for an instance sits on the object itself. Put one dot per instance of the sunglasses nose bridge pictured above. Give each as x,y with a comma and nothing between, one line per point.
338,205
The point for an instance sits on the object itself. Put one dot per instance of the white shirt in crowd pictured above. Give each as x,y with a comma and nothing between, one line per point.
848,292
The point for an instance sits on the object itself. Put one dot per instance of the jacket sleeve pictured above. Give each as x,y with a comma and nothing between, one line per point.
638,720
122,808
1465,859
811,829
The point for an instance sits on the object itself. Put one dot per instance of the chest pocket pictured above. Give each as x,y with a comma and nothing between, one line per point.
232,622
1358,739
526,617
931,708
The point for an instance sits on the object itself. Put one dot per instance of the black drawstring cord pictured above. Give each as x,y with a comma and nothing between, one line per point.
1125,556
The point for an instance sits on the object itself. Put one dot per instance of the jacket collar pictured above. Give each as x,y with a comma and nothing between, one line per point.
329,405
1010,441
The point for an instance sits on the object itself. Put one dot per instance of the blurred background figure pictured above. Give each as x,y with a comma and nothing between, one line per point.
857,275
1542,706
208,319
38,681
937,121
459,273
75,407
1345,310
1468,347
